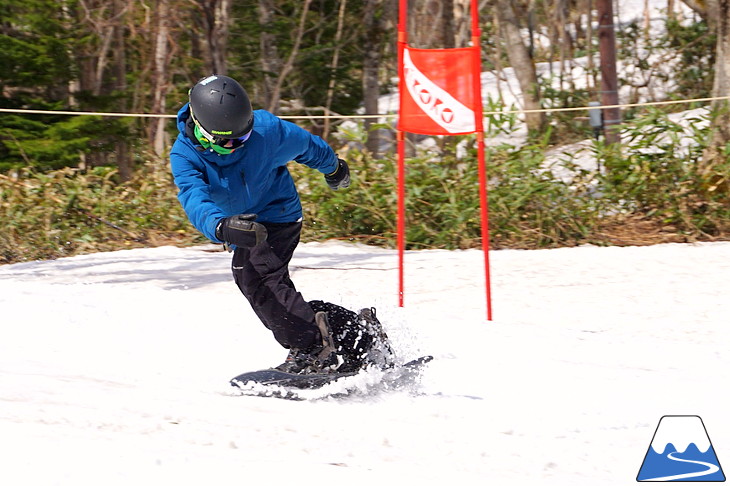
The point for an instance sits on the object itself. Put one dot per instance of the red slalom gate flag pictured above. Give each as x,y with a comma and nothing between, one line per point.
440,94
437,91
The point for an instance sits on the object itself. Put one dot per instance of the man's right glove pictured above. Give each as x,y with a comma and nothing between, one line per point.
241,230
340,178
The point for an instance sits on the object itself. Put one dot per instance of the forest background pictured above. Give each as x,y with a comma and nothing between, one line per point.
75,184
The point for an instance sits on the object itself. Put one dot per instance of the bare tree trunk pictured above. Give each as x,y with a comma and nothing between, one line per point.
370,71
270,60
288,65
462,22
73,83
124,161
213,21
94,56
671,13
609,77
431,24
102,58
333,67
219,35
714,154
701,7
565,41
94,14
521,61
159,81
590,71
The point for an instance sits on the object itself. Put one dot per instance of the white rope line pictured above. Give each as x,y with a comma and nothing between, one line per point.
383,115
95,113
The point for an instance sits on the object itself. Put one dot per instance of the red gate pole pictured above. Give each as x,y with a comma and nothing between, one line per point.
476,34
483,202
401,214
401,230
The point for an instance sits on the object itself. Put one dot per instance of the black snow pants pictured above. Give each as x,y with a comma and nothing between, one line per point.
262,275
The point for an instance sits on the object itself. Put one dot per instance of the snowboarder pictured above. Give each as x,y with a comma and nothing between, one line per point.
229,163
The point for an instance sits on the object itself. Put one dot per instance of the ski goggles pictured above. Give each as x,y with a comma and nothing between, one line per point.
218,144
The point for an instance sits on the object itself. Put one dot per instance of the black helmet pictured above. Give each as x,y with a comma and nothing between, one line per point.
221,107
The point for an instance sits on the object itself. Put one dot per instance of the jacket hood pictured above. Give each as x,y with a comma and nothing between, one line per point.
183,115
186,137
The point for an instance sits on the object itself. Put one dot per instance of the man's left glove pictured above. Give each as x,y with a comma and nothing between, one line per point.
340,178
241,230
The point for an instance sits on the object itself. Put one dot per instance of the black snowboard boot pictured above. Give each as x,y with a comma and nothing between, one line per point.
359,339
320,358
350,342
379,353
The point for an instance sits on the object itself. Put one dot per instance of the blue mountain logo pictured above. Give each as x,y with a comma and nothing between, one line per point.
681,451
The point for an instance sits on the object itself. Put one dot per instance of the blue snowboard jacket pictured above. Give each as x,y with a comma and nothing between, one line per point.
253,179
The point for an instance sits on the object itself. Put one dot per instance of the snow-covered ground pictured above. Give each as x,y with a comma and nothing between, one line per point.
114,368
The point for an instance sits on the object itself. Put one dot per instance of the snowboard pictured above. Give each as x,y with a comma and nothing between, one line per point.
271,382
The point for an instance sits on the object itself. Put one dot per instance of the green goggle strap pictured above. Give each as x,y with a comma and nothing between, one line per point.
208,144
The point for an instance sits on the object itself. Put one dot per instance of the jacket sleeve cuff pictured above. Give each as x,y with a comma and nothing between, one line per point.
210,227
332,169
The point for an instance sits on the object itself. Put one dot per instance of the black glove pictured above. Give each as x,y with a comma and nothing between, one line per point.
340,178
241,230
